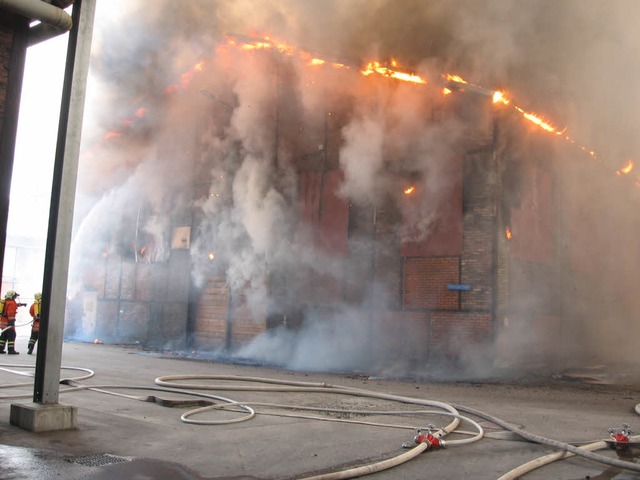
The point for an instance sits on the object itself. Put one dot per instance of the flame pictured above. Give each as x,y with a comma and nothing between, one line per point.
409,190
455,83
185,78
455,78
268,43
111,134
499,97
257,45
212,256
533,118
626,169
507,233
377,67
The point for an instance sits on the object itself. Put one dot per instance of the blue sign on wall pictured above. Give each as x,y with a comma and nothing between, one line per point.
464,287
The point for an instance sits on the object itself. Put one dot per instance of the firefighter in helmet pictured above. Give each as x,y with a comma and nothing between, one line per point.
8,322
34,311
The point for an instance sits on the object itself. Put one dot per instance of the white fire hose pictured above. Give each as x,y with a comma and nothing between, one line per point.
15,326
173,384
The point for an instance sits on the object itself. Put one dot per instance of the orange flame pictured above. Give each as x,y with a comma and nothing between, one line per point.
455,78
409,190
456,83
257,45
377,67
533,118
499,97
111,134
185,78
507,233
626,169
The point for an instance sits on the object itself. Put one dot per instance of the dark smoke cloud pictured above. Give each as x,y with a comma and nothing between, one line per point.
574,61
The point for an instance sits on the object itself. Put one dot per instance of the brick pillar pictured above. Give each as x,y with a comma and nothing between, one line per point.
479,223
479,263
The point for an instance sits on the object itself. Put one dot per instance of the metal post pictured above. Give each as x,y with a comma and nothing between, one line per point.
9,124
49,357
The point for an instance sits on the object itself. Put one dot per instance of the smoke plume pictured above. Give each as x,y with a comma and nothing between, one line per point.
174,108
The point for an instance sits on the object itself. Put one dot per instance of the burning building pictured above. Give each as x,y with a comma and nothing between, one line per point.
318,211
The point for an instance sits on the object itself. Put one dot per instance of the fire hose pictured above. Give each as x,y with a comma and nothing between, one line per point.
422,442
452,408
566,448
552,457
16,326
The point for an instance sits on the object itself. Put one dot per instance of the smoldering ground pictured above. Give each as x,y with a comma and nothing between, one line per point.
213,127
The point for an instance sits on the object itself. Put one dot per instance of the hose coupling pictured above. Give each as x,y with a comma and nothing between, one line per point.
432,441
621,436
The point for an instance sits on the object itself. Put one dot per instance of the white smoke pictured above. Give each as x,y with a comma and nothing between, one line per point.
361,158
337,343
573,61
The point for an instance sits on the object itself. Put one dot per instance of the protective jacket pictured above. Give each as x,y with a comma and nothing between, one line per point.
9,313
34,311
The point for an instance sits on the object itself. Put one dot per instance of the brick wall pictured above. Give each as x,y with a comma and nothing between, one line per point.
442,205
247,323
454,332
210,329
425,282
401,334
479,226
460,321
532,222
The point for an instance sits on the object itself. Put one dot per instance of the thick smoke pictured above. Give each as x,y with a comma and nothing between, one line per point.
214,128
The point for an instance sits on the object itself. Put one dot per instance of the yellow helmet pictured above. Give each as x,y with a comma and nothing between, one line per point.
10,295
37,296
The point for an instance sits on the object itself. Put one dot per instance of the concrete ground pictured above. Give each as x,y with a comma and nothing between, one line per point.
121,433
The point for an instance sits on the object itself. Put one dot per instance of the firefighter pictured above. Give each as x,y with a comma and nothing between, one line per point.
34,311
8,322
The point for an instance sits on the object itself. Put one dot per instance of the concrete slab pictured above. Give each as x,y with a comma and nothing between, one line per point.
37,417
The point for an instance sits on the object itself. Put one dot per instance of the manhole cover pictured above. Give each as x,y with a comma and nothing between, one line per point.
99,460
